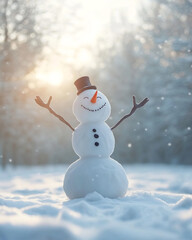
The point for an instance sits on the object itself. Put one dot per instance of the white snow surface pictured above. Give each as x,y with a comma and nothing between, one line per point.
158,205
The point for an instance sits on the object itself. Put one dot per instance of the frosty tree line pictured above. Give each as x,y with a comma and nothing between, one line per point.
153,60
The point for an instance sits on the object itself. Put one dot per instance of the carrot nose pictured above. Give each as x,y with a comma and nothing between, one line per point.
94,98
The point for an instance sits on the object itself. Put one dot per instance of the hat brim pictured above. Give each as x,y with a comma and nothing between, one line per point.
86,88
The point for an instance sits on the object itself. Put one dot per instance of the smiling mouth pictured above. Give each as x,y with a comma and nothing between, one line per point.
93,110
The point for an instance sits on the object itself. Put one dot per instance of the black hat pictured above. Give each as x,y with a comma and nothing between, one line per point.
83,84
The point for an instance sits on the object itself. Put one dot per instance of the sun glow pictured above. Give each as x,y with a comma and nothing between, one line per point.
100,22
52,71
54,78
101,11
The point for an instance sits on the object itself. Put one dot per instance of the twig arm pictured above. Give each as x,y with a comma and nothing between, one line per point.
39,101
135,106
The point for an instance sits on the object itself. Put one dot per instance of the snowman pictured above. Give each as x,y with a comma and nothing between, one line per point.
93,141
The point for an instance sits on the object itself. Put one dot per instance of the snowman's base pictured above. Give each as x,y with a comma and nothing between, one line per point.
103,175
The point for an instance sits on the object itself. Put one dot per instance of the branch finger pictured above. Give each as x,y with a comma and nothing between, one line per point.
141,104
49,101
134,101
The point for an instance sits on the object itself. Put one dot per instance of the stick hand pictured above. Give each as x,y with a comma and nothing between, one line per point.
40,102
141,104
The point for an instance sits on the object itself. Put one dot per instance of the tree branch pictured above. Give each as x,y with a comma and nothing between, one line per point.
39,101
4,15
135,107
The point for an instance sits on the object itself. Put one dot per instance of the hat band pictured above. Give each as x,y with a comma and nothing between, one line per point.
85,88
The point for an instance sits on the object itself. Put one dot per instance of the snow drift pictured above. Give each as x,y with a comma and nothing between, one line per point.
158,205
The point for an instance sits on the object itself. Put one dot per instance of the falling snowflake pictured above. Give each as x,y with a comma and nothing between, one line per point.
169,144
129,145
188,128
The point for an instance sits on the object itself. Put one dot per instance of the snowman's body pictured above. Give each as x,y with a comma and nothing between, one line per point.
103,175
93,142
93,139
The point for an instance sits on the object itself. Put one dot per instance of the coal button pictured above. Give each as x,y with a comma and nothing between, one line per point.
94,130
96,144
96,135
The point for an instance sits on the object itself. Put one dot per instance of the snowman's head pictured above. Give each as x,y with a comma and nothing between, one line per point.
91,106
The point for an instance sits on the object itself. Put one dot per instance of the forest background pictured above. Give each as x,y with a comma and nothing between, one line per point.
141,48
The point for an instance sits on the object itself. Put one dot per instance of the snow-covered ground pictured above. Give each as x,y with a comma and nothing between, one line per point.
158,205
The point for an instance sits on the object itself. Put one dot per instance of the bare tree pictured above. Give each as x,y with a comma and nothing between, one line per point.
20,46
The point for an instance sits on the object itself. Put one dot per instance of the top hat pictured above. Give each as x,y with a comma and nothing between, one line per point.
83,84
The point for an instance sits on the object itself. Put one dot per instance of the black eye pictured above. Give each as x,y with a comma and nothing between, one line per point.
85,98
99,97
